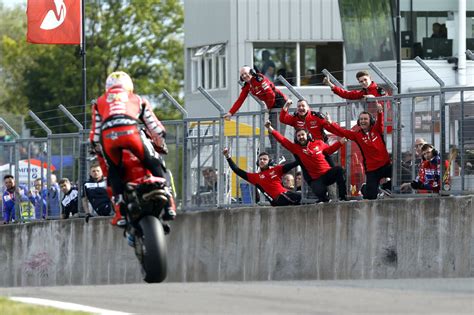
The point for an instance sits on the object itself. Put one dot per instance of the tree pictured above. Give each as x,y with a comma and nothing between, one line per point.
143,38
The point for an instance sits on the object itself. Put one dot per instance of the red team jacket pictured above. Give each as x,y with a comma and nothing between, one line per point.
371,144
311,156
374,90
269,180
264,90
310,122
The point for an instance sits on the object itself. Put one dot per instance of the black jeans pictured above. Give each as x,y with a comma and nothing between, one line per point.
373,179
289,198
334,175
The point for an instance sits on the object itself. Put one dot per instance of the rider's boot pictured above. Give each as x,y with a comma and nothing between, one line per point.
119,206
170,208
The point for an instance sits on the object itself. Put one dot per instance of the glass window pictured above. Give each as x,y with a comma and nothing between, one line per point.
208,67
274,59
368,30
314,57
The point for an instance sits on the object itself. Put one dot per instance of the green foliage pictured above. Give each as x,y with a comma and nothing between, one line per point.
142,37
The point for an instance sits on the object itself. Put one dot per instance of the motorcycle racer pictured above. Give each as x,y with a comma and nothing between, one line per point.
115,126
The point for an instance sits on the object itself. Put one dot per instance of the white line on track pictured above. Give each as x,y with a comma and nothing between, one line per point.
66,305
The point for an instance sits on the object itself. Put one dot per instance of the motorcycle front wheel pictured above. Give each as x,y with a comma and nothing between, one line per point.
151,249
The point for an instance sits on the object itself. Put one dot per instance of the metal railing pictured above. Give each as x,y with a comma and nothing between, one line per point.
202,178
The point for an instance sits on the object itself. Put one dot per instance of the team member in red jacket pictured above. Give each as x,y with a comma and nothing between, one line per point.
304,118
369,89
115,119
311,155
268,180
262,88
370,140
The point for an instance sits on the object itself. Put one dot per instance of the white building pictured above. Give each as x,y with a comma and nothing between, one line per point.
305,36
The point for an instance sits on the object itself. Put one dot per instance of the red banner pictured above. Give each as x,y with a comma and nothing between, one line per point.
54,22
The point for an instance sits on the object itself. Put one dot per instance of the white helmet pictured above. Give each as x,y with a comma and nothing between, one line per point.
119,78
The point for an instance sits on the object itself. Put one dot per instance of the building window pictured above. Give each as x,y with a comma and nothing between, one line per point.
208,67
299,63
368,30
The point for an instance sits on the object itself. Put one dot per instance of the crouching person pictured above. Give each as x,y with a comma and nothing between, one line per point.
311,155
268,180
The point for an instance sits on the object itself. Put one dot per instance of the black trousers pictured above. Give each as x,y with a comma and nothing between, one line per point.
373,179
289,198
334,175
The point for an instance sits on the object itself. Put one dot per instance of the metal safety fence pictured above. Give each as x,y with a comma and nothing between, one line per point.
202,178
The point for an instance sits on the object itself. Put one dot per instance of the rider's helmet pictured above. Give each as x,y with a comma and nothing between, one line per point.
119,78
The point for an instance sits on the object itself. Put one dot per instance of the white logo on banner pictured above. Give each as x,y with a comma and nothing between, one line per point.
53,19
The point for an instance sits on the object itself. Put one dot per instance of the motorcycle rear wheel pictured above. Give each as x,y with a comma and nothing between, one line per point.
151,249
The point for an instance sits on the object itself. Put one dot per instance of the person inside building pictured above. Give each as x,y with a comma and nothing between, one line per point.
310,154
268,66
115,125
268,180
69,202
371,142
262,88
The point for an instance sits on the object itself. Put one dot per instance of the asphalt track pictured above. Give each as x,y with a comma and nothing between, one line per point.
404,296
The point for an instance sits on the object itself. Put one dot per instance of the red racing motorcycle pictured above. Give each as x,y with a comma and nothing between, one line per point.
145,199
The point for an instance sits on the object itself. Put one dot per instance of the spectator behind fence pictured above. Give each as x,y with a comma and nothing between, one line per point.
298,181
419,142
37,196
53,198
209,175
429,175
94,196
70,199
372,145
262,88
11,195
288,181
268,180
311,155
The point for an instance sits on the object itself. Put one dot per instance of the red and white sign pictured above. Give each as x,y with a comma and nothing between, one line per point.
54,22
31,167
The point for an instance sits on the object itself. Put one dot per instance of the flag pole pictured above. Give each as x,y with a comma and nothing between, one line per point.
83,152
83,54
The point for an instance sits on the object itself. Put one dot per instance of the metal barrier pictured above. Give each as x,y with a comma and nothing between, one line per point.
202,178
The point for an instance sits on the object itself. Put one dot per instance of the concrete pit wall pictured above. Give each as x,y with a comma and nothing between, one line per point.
395,238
